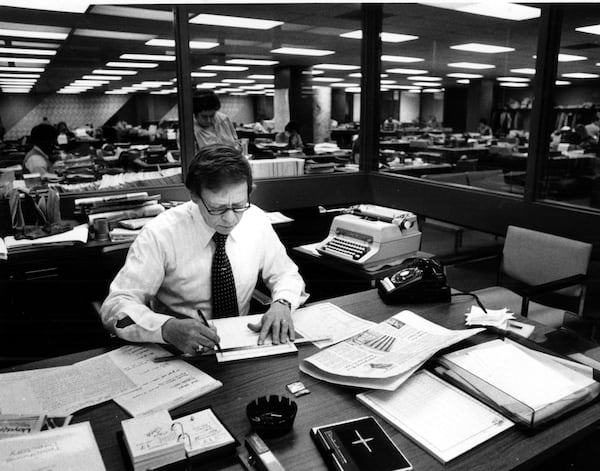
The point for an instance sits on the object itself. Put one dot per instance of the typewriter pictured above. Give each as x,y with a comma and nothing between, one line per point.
372,236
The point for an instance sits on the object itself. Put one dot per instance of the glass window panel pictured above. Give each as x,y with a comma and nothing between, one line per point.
570,168
295,69
456,95
109,117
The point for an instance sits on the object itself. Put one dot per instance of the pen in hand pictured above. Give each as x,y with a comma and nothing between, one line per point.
201,314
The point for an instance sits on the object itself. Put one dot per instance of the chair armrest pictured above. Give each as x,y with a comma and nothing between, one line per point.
531,290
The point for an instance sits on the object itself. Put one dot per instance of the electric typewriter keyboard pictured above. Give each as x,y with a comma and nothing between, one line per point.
345,248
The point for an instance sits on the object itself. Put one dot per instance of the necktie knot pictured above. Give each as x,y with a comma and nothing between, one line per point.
220,239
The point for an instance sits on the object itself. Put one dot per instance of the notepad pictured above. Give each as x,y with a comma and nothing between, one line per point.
441,418
155,440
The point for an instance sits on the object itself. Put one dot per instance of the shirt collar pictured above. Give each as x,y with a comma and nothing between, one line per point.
206,232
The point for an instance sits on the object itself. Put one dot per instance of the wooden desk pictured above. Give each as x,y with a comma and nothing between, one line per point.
244,381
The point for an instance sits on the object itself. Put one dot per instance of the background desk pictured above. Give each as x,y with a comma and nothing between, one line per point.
244,381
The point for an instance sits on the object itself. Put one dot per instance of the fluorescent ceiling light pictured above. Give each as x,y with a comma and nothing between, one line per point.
471,65
33,52
34,44
261,76
344,84
406,71
524,70
582,75
24,60
327,79
251,62
21,69
483,48
513,79
37,34
16,90
234,21
135,65
20,75
592,29
300,51
193,44
68,6
514,84
432,90
464,75
233,80
425,78
95,83
385,37
359,75
415,90
103,34
208,85
148,57
404,87
155,83
352,90
403,59
562,82
136,13
203,74
116,92
228,68
235,89
387,82
17,80
336,67
114,72
101,77
463,81
313,72
424,84
497,9
570,58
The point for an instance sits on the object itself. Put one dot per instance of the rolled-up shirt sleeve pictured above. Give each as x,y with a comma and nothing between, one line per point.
126,312
280,273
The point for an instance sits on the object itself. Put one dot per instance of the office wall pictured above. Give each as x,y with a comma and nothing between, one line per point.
409,107
432,104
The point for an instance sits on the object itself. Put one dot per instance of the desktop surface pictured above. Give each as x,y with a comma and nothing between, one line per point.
328,403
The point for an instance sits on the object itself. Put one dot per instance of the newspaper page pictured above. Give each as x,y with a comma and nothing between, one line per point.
384,355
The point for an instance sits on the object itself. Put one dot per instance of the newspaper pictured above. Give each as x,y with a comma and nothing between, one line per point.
384,355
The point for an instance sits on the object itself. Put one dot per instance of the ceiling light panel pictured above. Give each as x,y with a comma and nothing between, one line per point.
193,44
148,57
204,74
524,70
592,29
501,9
385,37
227,68
300,51
471,65
261,76
104,34
32,52
21,69
40,32
135,65
67,6
336,67
234,21
24,60
136,13
402,59
251,62
407,71
463,75
513,79
425,78
581,75
483,48
114,72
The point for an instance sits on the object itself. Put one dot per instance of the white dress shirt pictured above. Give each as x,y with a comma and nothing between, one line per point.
168,271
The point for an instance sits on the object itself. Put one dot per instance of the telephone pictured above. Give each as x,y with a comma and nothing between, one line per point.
416,280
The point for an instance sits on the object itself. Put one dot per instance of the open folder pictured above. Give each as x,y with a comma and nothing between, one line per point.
527,386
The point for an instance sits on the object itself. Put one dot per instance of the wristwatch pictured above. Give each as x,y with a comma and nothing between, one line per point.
285,302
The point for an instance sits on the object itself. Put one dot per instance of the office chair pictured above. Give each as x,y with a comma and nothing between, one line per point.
540,266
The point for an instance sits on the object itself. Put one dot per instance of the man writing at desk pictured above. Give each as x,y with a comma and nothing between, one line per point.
204,257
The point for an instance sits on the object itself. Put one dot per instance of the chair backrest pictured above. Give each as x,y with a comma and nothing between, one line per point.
537,257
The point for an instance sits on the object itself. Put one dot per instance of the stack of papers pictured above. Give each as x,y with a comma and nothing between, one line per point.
493,317
151,441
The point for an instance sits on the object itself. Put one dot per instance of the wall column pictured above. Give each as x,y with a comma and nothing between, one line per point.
293,99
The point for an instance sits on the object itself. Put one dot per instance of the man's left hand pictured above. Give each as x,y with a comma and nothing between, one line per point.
278,321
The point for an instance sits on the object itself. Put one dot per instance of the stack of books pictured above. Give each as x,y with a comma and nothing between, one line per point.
118,207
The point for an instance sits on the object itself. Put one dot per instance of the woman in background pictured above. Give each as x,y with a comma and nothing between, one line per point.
291,136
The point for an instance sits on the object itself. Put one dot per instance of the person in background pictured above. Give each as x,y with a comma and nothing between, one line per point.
433,123
389,125
290,136
166,280
210,125
484,128
593,129
39,158
63,134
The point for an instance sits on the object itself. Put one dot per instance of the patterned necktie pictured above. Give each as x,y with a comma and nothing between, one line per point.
224,298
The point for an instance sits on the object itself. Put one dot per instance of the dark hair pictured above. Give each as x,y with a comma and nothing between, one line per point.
206,101
215,166
291,127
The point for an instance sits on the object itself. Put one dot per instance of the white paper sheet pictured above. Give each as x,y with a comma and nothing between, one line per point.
70,448
443,419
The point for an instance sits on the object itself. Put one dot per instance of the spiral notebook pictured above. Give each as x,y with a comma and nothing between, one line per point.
156,440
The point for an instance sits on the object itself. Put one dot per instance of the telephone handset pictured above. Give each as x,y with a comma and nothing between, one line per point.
416,280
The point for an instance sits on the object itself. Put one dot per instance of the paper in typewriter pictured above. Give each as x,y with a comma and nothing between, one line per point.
384,355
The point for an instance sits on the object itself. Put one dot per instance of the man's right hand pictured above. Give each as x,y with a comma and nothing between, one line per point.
189,335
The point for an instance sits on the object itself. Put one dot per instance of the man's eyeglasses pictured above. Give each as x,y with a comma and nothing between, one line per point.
239,208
